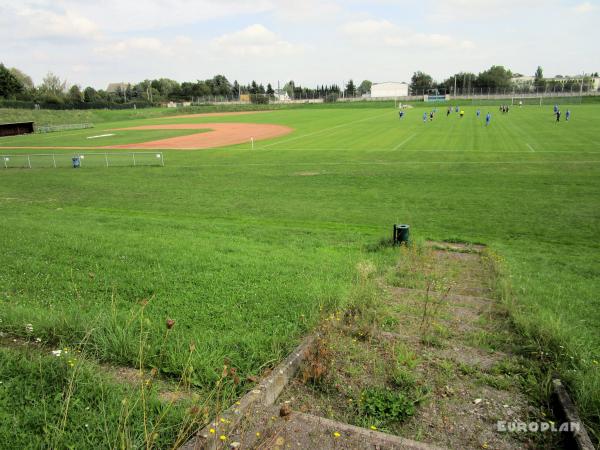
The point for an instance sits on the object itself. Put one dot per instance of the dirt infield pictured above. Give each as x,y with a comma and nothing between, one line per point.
220,135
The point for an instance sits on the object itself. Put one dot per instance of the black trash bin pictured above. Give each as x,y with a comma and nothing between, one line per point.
401,234
76,162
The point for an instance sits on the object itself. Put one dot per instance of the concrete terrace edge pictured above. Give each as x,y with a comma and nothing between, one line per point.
264,394
567,412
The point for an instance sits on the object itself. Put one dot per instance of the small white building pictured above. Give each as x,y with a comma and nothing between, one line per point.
389,89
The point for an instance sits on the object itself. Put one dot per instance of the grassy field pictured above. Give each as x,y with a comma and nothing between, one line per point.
246,249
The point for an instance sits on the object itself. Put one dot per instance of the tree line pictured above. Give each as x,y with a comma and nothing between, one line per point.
17,86
495,79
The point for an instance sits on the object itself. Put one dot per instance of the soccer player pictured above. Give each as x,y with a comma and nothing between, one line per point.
462,113
478,112
431,116
488,119
558,115
456,109
401,114
449,111
520,103
425,117
568,115
555,108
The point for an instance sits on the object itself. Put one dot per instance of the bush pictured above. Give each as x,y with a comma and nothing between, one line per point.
385,404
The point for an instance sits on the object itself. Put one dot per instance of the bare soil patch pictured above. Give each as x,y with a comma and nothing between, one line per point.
220,135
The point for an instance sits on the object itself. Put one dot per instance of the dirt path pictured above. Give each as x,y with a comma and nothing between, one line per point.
423,361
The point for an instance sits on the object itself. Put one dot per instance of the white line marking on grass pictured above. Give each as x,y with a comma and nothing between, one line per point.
382,163
530,147
100,136
324,130
404,142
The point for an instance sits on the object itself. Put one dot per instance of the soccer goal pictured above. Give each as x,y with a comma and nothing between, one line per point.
527,101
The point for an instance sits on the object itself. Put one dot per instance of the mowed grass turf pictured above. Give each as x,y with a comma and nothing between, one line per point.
92,137
245,249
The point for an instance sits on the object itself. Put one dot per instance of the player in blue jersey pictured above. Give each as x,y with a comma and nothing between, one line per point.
567,115
425,117
478,112
488,119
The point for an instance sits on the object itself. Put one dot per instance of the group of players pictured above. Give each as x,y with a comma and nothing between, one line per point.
557,113
461,113
488,117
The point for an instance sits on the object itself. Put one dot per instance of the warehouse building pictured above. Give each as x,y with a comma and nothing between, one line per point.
389,89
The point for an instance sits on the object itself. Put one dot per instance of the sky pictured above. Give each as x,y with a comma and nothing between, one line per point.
93,43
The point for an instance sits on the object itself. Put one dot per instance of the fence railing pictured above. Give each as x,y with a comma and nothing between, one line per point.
83,160
64,127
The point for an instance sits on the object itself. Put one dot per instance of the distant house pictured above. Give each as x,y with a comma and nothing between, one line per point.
389,89
117,87
281,95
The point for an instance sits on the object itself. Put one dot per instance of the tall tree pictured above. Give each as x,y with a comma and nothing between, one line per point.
365,87
89,95
270,90
75,94
52,84
290,88
350,88
9,84
539,81
420,83
23,78
496,77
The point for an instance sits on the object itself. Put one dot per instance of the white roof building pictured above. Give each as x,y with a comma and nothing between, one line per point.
389,89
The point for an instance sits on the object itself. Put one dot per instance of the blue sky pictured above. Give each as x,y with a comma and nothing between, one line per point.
313,42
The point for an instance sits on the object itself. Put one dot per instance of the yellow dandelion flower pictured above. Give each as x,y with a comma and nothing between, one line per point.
212,431
223,437
258,434
336,435
373,427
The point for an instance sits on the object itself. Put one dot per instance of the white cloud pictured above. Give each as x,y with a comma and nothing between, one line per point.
30,22
585,8
134,45
255,40
384,33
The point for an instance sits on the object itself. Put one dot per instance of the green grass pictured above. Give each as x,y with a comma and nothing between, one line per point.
243,248
87,137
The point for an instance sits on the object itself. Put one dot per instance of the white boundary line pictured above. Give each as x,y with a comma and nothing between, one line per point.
395,163
403,142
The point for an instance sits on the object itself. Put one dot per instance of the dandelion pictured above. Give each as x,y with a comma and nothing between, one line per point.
258,434
223,437
336,435
38,339
211,431
29,328
373,427
57,352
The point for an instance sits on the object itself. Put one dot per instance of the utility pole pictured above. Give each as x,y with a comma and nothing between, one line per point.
454,85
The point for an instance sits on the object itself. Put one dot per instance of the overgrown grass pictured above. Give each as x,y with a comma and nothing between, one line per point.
243,248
